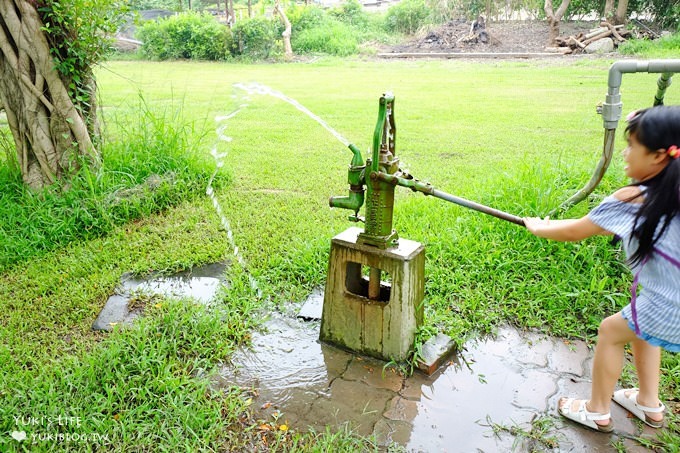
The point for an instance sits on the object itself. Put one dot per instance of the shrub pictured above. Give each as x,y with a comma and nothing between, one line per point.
332,37
666,47
187,35
305,17
407,16
351,13
255,37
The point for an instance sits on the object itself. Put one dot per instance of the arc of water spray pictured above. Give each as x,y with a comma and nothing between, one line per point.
256,88
219,163
259,89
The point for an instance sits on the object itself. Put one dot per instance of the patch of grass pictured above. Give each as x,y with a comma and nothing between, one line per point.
664,47
142,387
538,436
154,161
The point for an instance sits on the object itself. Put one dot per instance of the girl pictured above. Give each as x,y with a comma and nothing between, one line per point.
645,215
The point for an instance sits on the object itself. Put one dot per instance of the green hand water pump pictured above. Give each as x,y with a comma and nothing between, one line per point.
374,183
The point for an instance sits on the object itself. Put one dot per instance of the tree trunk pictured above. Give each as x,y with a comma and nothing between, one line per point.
621,12
250,9
554,18
51,134
287,48
229,7
608,10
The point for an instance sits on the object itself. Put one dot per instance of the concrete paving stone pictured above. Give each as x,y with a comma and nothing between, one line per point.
336,360
569,357
538,385
401,409
360,405
312,308
412,387
114,312
371,372
388,432
528,348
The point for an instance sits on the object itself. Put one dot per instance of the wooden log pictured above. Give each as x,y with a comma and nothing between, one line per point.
573,42
596,31
595,38
607,24
561,42
616,34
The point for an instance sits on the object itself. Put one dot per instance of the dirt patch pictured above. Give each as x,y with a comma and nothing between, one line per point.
502,37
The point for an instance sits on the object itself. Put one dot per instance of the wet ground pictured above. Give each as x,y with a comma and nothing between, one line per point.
496,395
486,398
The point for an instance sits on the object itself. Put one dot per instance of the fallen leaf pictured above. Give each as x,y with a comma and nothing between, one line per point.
266,405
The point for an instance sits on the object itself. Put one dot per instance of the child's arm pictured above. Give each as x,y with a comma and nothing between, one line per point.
563,230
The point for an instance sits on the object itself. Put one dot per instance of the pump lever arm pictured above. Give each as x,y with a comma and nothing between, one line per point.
427,189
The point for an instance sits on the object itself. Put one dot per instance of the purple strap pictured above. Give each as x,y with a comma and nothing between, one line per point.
633,288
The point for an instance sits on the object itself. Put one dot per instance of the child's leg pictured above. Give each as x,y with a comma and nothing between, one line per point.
648,365
613,335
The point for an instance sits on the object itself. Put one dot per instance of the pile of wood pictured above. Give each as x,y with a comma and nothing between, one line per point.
578,43
477,33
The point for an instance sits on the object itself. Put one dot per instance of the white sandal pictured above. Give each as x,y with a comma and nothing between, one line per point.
631,405
583,416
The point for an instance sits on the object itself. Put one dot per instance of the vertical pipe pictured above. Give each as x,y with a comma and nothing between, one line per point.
374,284
611,113
600,170
663,83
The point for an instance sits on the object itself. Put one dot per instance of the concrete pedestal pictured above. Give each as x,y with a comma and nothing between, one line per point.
384,327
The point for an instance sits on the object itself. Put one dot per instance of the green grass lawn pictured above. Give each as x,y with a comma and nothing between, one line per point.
521,136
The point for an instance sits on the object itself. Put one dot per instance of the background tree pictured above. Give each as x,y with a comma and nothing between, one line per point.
48,49
554,18
287,48
616,15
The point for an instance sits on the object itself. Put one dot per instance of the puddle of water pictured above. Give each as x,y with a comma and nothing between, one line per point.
200,284
509,380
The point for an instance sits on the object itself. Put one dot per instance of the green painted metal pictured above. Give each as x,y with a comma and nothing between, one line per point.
374,183
379,195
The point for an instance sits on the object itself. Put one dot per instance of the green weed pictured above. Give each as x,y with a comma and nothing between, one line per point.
153,161
664,47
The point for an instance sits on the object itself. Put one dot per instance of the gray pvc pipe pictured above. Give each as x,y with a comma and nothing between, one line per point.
611,111
611,114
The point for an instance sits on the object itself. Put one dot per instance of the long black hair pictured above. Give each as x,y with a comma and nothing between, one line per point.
656,128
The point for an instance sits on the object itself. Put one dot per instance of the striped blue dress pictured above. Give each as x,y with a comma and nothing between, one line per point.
658,300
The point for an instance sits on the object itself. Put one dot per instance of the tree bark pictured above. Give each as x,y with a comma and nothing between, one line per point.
554,18
51,135
621,12
287,48
608,10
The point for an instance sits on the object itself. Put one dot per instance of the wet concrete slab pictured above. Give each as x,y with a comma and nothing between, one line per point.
483,399
479,401
199,283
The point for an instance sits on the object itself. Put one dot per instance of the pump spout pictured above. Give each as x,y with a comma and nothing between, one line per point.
354,201
355,177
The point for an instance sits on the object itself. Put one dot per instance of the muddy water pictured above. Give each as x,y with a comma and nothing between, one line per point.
507,381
